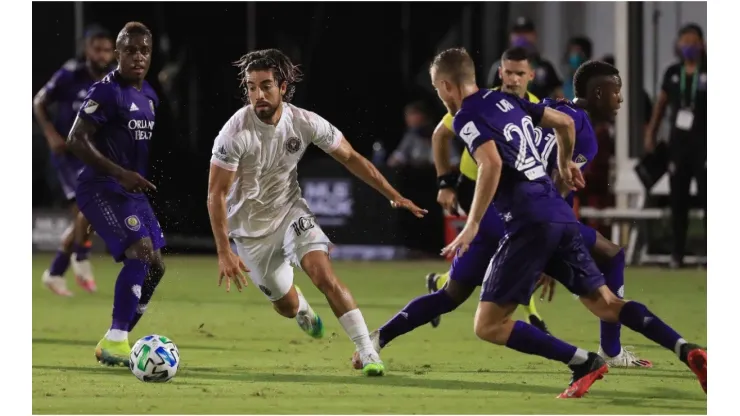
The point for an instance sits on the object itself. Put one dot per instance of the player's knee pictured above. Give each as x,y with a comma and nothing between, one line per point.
322,277
458,293
142,250
491,330
604,304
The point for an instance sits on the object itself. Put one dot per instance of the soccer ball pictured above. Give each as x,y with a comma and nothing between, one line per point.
154,359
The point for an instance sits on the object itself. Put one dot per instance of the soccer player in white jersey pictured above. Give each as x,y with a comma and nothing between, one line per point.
254,198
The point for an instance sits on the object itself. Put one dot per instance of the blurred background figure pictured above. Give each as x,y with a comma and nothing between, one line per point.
66,90
578,51
415,149
683,93
547,82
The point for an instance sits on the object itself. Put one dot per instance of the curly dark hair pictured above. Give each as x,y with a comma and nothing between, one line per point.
270,60
588,71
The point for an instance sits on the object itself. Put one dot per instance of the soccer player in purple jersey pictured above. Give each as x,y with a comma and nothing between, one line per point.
111,136
542,232
599,99
597,86
67,88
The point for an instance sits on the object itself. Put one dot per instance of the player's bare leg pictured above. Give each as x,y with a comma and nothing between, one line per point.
294,305
634,315
493,323
53,277
318,267
80,261
610,259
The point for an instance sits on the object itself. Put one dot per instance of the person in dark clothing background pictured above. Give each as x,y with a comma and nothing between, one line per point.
684,93
547,82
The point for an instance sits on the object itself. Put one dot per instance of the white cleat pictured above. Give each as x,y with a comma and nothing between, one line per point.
56,284
625,359
360,360
83,274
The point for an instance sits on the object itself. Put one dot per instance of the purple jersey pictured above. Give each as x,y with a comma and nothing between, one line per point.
125,119
67,88
525,193
586,145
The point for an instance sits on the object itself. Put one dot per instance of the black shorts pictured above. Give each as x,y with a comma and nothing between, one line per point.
465,192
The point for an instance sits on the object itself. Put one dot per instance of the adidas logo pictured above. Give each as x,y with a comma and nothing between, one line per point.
134,107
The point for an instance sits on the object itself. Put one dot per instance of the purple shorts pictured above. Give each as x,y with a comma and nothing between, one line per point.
554,248
470,268
68,169
588,234
119,218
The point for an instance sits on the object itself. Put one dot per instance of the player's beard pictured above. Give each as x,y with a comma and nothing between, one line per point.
265,113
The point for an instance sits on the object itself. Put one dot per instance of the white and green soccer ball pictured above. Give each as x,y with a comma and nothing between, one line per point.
154,359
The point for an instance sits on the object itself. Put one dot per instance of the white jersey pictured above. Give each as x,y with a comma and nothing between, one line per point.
265,159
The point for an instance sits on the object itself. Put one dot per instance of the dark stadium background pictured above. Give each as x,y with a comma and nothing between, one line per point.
351,54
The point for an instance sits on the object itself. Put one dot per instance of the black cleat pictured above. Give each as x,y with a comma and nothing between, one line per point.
431,288
539,324
585,375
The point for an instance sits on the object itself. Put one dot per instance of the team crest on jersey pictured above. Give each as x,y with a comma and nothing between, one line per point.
133,223
90,107
151,106
293,145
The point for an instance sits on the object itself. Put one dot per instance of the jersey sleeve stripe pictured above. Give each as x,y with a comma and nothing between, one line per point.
222,164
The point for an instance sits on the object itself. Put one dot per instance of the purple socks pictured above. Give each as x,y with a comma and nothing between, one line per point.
60,264
637,317
614,276
418,312
128,293
530,340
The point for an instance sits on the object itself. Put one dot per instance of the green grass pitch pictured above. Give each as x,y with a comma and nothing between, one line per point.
239,356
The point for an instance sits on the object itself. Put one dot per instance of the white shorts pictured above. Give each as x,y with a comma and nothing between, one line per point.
271,258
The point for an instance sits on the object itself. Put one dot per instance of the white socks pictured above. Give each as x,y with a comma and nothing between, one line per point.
580,357
302,304
354,325
116,335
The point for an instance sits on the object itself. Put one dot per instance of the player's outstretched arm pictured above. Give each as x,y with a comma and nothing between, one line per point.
79,142
230,265
363,169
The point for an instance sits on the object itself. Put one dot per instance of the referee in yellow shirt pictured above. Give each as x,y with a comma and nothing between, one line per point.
457,191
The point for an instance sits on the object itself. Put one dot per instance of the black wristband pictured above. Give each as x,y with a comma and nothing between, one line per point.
447,181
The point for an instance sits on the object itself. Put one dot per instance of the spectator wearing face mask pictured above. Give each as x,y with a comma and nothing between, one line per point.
578,52
547,82
684,94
